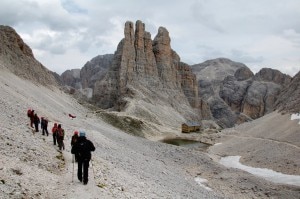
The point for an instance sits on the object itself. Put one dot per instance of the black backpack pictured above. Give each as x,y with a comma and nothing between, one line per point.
83,150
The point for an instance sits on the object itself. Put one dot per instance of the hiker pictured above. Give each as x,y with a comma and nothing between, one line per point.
36,121
83,148
54,133
73,141
44,126
42,123
60,137
30,114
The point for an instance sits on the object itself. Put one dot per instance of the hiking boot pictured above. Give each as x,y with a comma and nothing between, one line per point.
85,182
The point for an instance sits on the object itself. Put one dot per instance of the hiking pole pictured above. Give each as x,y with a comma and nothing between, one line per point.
73,168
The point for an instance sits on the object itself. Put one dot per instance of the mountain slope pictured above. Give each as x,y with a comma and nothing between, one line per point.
123,166
17,57
289,98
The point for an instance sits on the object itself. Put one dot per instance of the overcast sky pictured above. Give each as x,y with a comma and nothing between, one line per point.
65,34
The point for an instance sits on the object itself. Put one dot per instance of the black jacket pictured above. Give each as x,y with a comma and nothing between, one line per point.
83,148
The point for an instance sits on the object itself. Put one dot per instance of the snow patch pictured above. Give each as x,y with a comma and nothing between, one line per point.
217,144
296,117
268,174
201,182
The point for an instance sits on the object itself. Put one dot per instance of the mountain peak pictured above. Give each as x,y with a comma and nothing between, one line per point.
17,57
12,41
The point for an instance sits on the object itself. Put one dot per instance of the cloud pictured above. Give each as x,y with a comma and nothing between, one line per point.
259,33
205,17
72,7
293,36
244,57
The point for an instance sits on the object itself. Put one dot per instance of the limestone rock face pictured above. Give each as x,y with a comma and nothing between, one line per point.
216,70
14,42
167,60
188,83
260,98
253,96
71,78
94,70
16,56
234,94
151,73
210,76
272,75
222,113
289,99
243,73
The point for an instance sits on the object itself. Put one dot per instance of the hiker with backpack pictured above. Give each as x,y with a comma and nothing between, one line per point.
30,114
83,148
54,133
42,123
36,121
60,137
44,126
73,141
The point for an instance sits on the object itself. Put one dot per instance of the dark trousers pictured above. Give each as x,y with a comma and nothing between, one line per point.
60,142
36,127
45,130
83,165
54,139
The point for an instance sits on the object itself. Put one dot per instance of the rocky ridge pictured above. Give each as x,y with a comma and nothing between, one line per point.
72,78
234,94
141,69
150,72
95,70
17,56
288,100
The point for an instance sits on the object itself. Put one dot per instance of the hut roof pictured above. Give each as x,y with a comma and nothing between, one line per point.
192,123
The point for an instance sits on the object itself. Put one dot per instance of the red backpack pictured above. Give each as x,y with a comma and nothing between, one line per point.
29,112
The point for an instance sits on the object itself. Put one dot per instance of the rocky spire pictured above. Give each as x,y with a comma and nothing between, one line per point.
167,60
139,61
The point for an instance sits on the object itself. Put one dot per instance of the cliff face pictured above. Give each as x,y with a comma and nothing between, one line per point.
289,99
72,78
95,70
148,72
143,62
17,57
234,94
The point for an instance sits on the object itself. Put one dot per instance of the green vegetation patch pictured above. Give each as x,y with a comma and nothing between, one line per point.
127,124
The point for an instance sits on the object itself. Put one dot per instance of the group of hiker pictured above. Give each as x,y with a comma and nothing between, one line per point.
81,146
35,120
58,134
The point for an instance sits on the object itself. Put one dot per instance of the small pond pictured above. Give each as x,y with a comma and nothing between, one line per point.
187,143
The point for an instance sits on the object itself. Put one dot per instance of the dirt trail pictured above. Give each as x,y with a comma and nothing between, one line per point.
265,139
